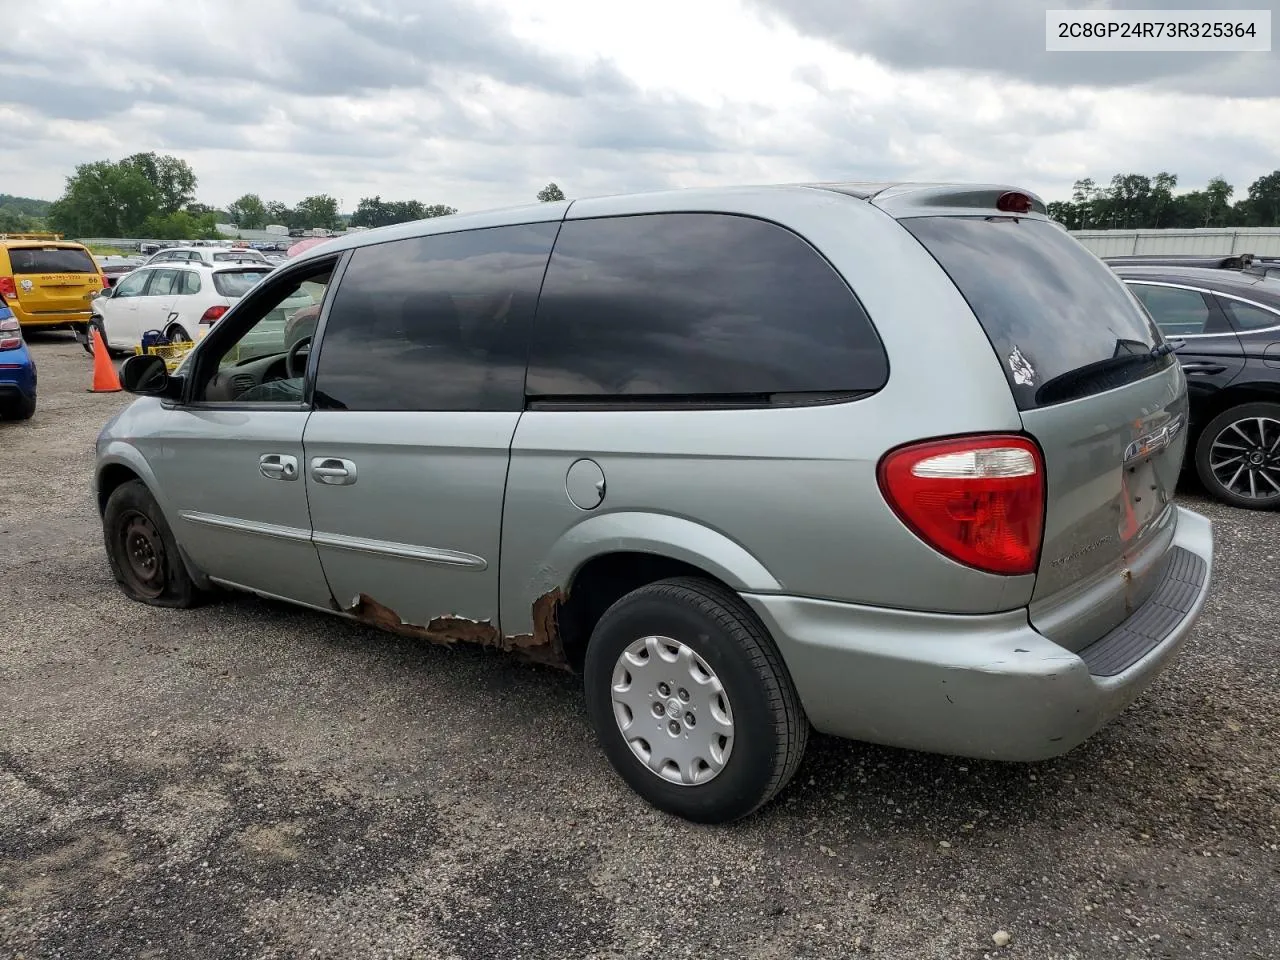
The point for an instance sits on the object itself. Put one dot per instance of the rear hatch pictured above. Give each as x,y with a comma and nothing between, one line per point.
51,279
1098,390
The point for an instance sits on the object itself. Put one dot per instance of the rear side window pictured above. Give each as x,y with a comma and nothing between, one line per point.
190,282
1062,324
1247,317
236,283
1177,312
51,260
435,323
697,306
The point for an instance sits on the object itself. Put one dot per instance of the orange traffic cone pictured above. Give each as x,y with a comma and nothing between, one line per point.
104,371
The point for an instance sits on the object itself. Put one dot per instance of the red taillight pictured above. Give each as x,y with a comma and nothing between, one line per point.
10,334
212,315
8,289
1013,202
979,500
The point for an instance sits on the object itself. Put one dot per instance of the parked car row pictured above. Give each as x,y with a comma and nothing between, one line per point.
181,299
655,439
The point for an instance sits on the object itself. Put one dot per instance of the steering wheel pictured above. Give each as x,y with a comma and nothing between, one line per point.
291,360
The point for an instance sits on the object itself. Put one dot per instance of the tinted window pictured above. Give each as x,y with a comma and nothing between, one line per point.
696,305
1176,312
1247,317
236,283
1060,321
435,323
51,260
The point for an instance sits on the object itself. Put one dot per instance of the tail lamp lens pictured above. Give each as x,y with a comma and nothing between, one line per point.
10,334
212,315
978,500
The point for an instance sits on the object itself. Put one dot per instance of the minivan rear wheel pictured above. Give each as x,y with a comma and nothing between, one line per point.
142,551
691,701
1238,456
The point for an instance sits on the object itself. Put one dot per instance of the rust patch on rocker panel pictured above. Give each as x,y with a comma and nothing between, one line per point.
544,645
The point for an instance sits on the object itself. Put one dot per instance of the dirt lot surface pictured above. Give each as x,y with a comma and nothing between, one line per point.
250,780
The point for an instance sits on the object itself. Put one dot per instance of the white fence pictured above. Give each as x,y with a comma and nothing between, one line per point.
1206,241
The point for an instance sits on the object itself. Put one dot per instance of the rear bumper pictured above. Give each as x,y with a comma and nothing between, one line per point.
975,686
60,319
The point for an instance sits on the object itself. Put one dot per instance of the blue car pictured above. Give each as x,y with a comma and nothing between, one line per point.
17,371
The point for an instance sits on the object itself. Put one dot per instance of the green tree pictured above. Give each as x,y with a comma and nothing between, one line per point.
371,212
281,214
181,226
107,199
1263,208
550,192
249,212
438,210
319,211
104,199
173,179
13,220
1218,202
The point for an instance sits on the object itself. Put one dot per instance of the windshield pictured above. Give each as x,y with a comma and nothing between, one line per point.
51,260
236,283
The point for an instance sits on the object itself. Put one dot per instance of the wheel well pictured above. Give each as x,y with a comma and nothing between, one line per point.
113,475
1234,396
604,580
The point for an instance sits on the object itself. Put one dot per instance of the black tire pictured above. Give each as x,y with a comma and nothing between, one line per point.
135,531
770,727
178,334
96,321
1247,415
24,408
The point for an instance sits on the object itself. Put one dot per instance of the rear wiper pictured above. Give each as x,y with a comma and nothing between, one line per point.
1105,374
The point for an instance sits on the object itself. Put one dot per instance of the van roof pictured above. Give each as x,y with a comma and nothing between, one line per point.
897,198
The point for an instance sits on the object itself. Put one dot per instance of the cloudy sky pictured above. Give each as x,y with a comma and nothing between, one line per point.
479,103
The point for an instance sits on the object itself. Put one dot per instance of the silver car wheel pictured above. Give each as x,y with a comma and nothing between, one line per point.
672,711
1245,458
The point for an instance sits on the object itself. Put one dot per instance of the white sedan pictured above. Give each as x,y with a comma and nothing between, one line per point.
180,301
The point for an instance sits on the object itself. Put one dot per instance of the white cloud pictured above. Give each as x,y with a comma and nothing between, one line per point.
478,103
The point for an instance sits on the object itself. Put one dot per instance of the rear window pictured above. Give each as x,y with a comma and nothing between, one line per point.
1061,322
236,283
241,255
51,260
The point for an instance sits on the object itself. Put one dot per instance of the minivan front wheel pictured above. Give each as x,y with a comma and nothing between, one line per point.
141,549
1238,456
691,701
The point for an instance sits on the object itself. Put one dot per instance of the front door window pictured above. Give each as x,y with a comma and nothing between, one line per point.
267,362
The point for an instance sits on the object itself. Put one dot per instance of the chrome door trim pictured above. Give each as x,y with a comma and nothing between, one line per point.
272,530
401,551
1212,293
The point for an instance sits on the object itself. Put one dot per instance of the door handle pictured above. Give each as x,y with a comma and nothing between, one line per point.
333,470
277,466
1200,366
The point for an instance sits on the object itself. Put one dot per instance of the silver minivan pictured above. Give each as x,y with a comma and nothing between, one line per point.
893,462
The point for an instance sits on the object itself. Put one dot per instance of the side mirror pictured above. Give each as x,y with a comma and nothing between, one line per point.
145,374
103,293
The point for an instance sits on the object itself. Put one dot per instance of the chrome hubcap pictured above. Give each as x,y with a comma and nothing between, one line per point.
672,710
1245,458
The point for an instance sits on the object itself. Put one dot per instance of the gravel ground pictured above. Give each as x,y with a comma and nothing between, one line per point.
250,780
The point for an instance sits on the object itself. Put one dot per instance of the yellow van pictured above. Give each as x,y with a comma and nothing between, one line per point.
47,281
